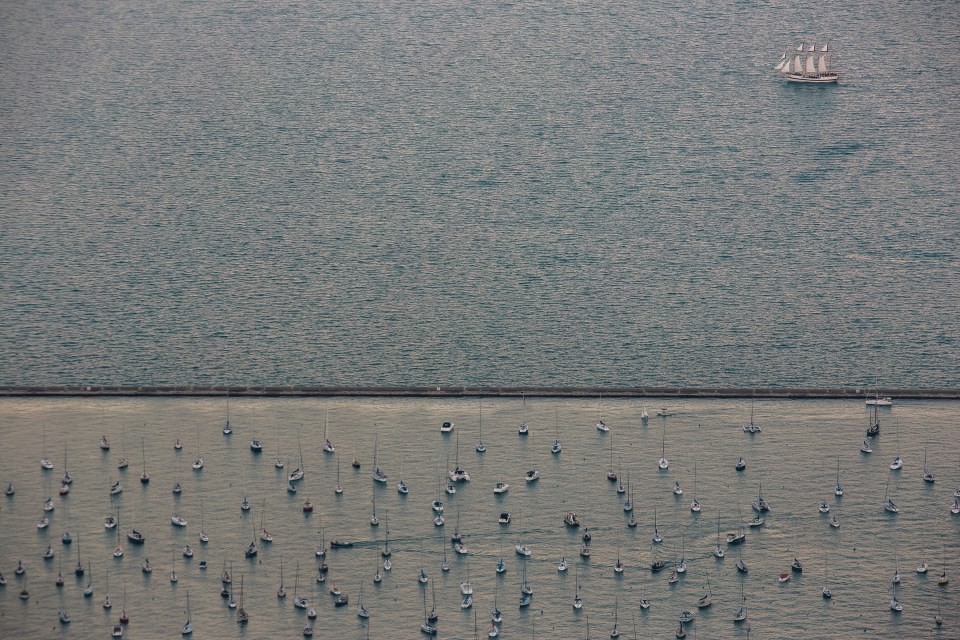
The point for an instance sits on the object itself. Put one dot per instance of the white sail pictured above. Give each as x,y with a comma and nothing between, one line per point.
822,65
825,47
810,70
813,47
780,65
800,48
797,65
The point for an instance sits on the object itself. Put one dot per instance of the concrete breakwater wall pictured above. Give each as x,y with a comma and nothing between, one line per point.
489,391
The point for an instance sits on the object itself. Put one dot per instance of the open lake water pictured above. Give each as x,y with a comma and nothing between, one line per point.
491,193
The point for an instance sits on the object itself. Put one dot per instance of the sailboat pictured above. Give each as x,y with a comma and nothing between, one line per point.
327,445
242,616
927,474
760,504
144,477
227,429
445,566
173,566
378,474
741,565
628,503
298,602
188,625
751,427
524,428
663,463
741,614
615,632
577,600
706,598
738,536
107,604
422,574
873,427
202,536
281,590
520,548
826,592
895,604
279,463
806,67
555,448
322,549
877,400
339,488
601,425
251,550
426,627
265,535
458,474
198,463
88,592
480,446
124,618
66,479
611,474
297,474
837,489
466,587
897,463
922,567
695,504
362,611
123,463
888,503
682,565
656,532
402,488
718,550
374,520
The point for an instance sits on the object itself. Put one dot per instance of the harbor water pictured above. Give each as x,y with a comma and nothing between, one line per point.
795,458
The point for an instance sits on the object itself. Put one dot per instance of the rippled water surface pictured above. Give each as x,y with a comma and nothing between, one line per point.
795,458
484,193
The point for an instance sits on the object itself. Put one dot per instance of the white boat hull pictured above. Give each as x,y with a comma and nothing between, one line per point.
830,78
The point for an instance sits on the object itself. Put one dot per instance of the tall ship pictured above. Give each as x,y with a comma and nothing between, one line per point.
808,65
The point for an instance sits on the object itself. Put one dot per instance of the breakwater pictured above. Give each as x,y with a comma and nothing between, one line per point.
487,391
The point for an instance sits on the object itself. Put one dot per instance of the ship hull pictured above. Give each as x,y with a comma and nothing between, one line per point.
830,78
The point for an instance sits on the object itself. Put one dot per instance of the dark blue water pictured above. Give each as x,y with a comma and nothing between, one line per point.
491,193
